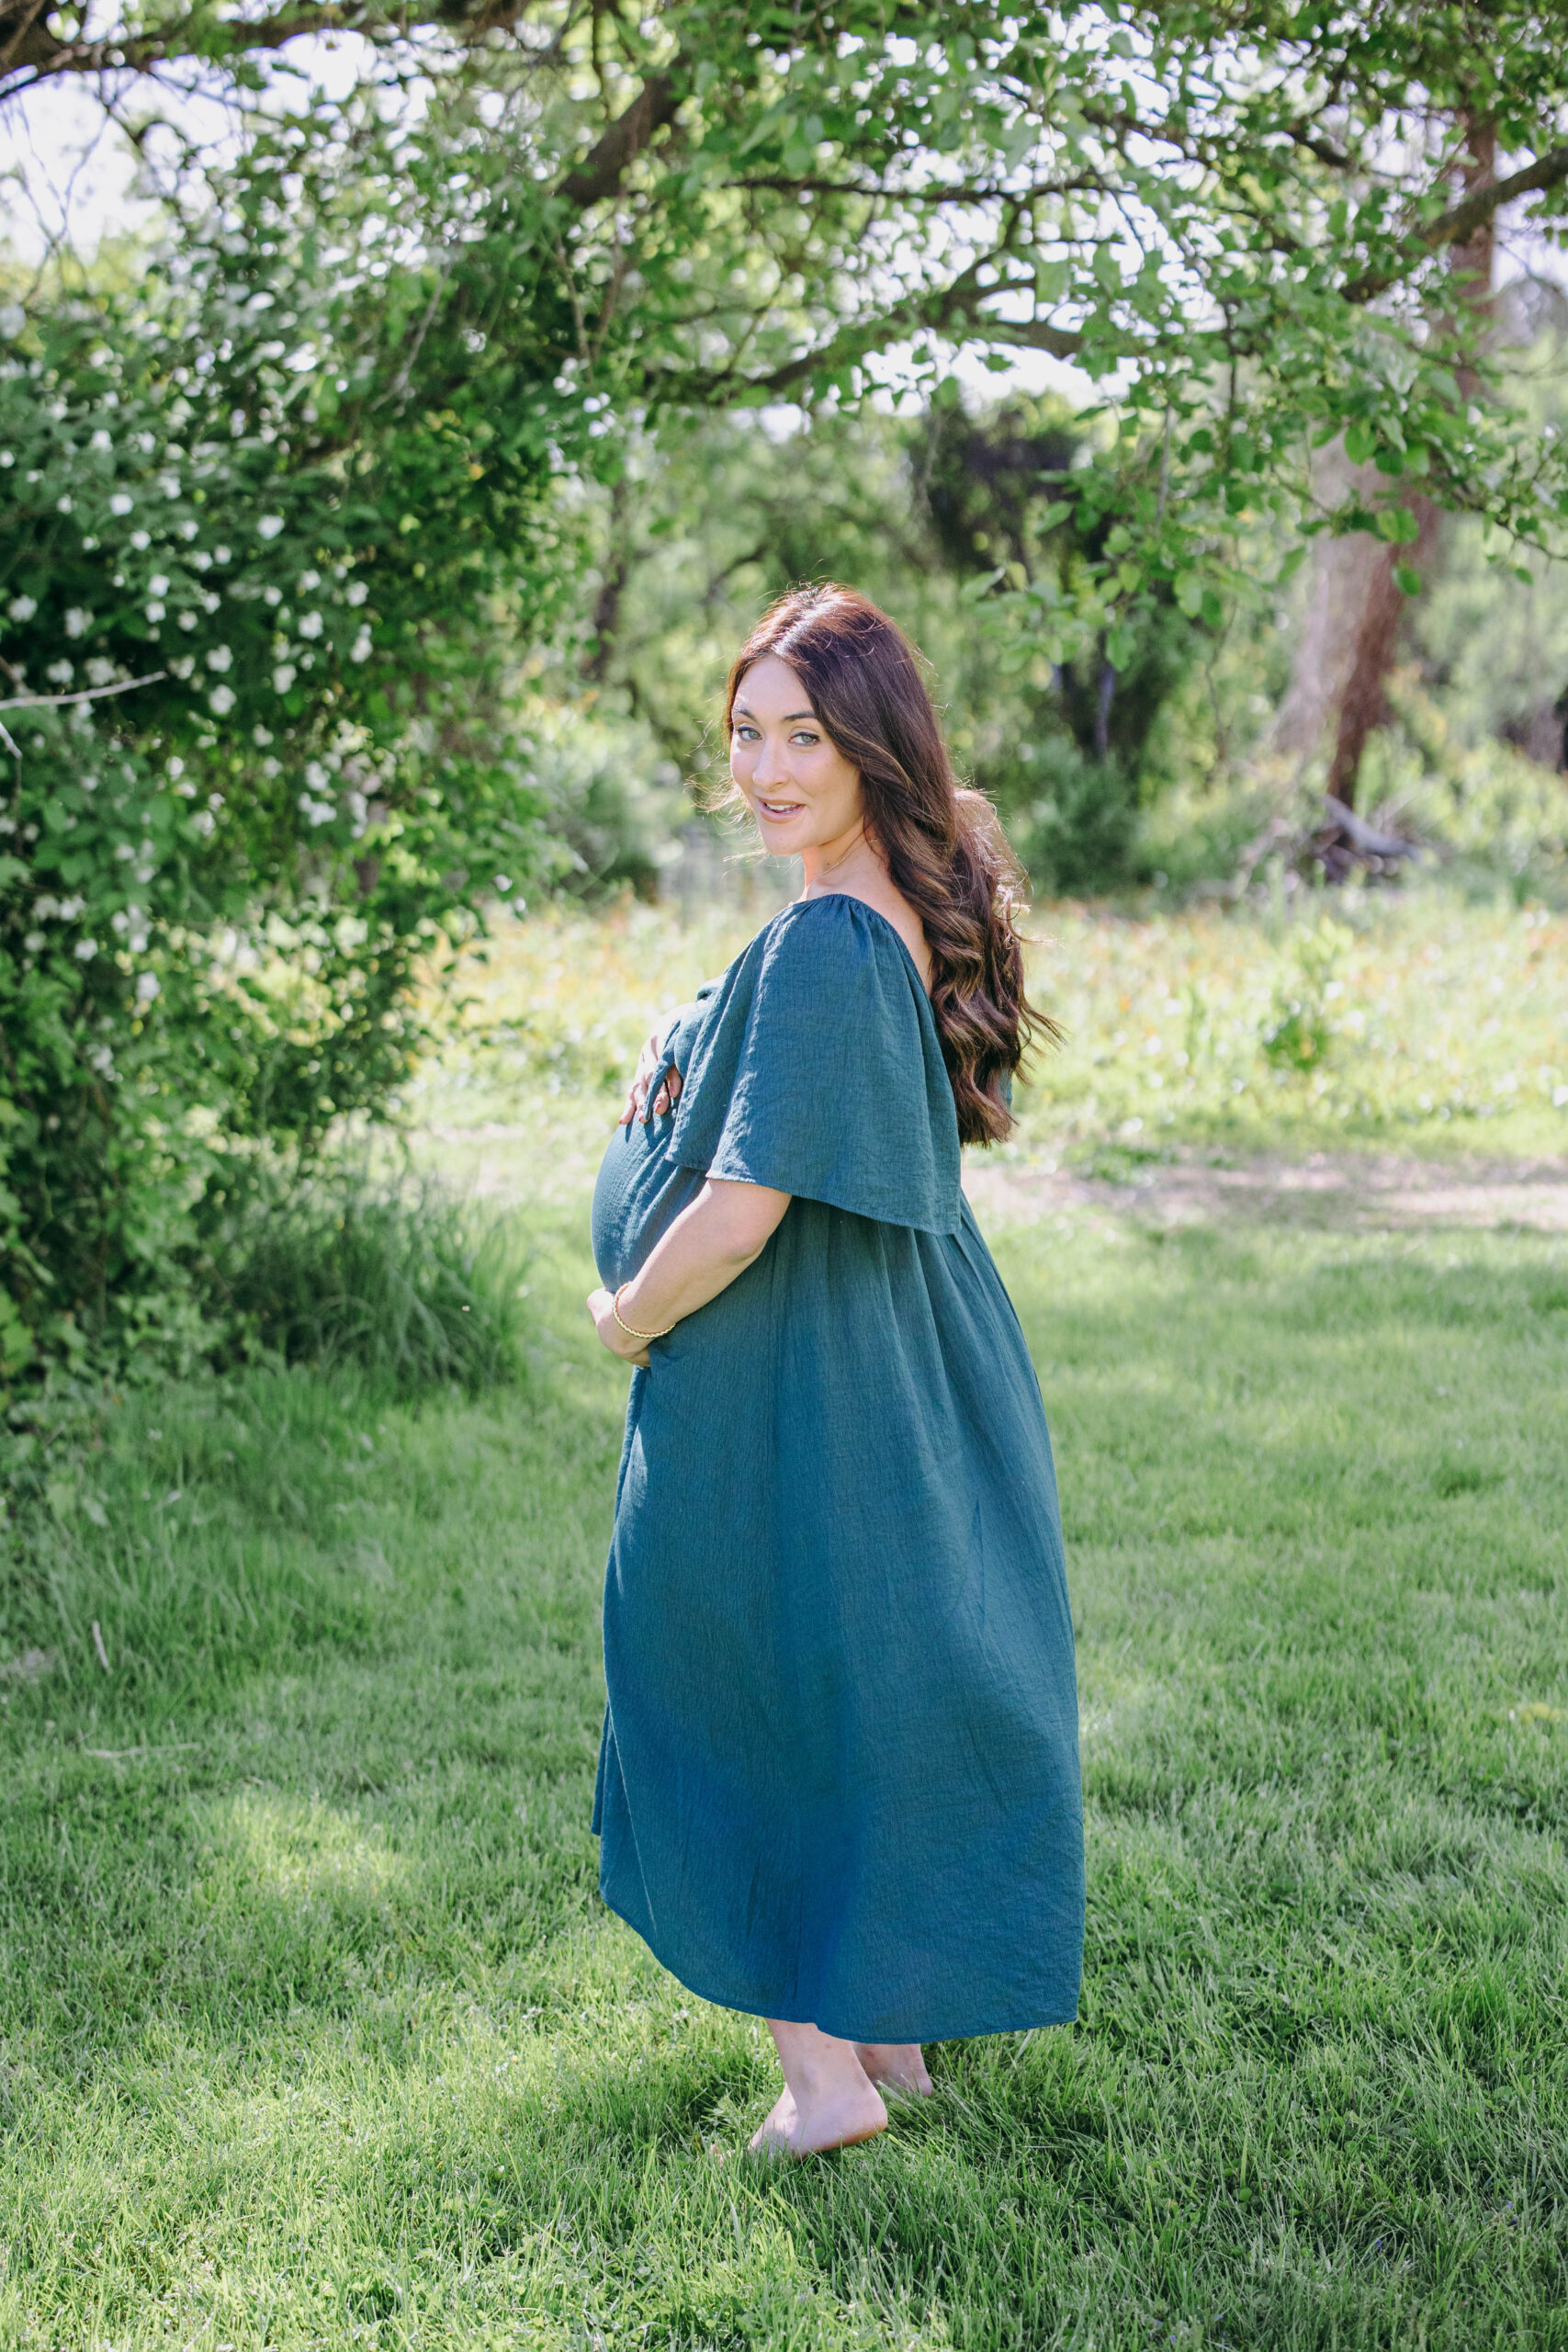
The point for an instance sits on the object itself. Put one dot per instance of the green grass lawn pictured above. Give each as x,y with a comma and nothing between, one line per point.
312,2031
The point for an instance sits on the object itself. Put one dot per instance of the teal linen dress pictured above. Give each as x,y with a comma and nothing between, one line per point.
838,1779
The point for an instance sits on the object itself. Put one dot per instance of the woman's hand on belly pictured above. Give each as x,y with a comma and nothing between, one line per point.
653,1074
616,1338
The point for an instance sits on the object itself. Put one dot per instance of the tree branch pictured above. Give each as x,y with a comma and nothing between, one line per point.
616,150
189,36
951,308
1459,222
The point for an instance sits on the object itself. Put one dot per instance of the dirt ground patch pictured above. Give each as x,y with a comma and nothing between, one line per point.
1358,1191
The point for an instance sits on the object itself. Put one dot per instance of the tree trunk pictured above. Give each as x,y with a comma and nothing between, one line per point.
1349,640
1363,703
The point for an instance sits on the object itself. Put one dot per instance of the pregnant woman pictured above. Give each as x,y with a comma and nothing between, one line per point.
839,1783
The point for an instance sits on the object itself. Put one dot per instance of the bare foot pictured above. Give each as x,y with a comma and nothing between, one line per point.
896,2065
839,2120
772,2134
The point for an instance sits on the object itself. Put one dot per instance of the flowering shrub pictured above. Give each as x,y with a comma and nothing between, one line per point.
258,764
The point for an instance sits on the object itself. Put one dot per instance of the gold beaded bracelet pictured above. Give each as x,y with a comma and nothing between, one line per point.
616,1311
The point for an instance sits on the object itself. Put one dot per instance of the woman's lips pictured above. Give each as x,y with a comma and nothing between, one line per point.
780,807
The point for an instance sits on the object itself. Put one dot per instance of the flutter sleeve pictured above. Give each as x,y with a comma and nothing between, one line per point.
817,1071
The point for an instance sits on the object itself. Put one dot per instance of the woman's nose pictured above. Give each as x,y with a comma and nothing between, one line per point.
768,769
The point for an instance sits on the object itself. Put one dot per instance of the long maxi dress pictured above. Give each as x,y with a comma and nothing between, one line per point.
838,1779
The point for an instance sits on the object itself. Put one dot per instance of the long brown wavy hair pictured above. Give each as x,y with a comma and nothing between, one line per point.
941,845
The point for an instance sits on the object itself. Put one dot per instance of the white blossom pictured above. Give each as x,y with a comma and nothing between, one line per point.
320,812
169,484
360,649
140,541
221,701
22,608
182,664
100,441
155,611
100,670
77,620
147,986
220,555
204,820
309,580
282,677
270,527
309,624
356,592
219,658
63,505
59,674
315,775
85,949
159,585
121,503
187,620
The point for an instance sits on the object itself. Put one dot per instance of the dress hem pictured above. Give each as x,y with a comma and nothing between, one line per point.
841,2033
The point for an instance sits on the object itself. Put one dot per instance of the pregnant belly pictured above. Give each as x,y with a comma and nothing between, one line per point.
639,1192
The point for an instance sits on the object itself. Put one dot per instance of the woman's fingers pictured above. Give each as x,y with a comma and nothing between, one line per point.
662,1083
636,1094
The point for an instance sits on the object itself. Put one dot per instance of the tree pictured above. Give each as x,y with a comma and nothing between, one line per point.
1356,614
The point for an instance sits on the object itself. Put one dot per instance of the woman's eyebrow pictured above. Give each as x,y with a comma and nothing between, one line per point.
744,710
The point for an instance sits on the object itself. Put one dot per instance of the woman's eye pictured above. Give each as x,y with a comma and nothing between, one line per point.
802,737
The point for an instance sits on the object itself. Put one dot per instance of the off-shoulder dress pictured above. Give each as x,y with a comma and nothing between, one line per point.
838,1779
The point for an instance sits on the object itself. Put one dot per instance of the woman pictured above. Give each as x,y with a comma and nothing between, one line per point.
839,1782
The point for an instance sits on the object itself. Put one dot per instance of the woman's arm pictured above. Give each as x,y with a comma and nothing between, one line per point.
722,1232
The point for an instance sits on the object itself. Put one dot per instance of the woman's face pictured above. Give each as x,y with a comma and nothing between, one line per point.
803,792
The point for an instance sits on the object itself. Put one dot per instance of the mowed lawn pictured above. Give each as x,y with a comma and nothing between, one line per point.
314,2031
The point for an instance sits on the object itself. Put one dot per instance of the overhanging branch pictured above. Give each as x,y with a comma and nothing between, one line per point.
616,150
952,310
1457,225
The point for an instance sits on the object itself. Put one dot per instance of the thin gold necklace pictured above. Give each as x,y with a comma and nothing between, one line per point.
849,853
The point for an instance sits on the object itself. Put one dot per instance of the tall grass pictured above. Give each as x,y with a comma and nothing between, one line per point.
344,1296
401,1282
